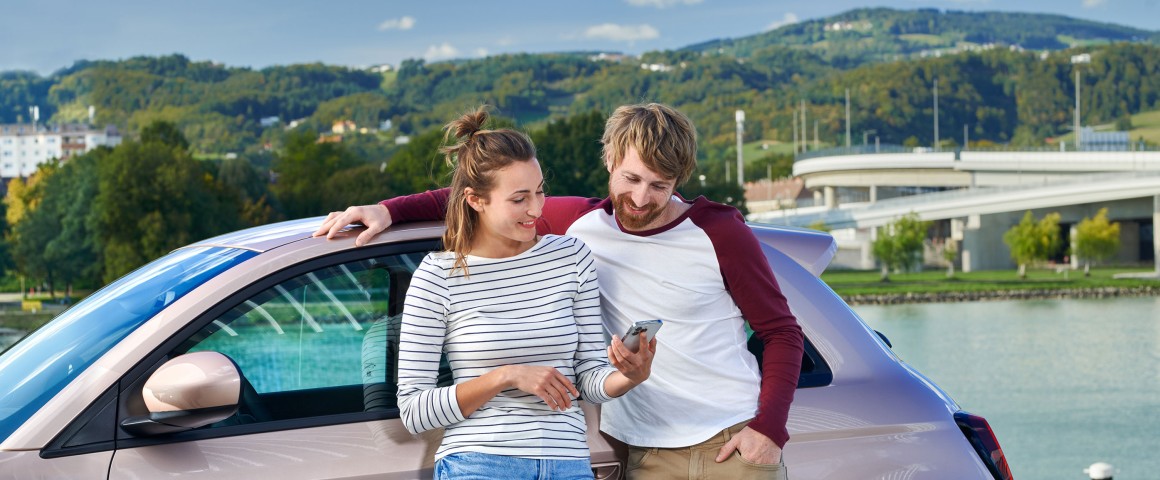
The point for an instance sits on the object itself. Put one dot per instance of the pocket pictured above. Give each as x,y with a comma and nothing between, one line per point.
772,467
637,456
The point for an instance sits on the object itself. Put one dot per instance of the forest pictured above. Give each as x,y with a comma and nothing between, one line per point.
210,148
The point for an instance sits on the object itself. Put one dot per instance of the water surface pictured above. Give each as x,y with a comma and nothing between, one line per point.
1063,383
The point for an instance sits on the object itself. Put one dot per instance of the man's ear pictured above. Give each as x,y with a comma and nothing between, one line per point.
608,163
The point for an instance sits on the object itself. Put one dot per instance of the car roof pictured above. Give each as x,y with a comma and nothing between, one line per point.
267,237
811,249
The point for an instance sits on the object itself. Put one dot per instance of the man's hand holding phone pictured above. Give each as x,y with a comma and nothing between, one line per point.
630,360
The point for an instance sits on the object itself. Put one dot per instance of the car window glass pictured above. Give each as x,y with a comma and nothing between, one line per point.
42,364
320,343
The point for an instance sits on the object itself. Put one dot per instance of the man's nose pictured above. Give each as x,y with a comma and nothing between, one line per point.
640,196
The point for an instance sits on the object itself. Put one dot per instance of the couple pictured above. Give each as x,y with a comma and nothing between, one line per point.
707,409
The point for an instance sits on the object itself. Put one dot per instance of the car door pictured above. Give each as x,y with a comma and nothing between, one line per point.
316,346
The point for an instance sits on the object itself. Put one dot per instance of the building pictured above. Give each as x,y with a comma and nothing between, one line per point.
23,147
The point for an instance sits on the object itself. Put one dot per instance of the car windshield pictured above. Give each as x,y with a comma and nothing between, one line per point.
39,366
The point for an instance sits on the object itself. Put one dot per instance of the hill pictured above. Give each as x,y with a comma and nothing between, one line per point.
998,94
876,34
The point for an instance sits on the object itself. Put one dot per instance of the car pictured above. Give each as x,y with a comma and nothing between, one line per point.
268,353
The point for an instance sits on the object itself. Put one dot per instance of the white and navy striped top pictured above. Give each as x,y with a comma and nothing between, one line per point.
540,307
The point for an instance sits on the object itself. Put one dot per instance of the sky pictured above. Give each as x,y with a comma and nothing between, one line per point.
44,36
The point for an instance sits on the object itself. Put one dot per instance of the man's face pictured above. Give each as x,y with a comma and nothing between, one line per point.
639,195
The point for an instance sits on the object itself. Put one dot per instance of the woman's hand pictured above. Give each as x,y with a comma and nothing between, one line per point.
545,382
636,367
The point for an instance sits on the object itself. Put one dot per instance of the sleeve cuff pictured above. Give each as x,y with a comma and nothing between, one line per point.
594,388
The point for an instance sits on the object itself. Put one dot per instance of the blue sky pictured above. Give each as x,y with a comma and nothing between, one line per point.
44,36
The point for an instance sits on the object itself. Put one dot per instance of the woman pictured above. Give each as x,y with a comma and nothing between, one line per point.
518,316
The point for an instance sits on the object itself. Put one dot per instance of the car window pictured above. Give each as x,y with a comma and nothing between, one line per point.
42,364
320,343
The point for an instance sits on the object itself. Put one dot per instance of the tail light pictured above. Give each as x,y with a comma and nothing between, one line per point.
979,434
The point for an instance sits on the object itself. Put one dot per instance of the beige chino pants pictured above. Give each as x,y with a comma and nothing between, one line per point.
699,462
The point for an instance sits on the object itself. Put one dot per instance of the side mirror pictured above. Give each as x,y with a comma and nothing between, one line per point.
188,392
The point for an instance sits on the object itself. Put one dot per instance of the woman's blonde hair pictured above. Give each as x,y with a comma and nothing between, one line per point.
475,157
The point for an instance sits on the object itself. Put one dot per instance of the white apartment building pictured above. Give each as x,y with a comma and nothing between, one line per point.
25,146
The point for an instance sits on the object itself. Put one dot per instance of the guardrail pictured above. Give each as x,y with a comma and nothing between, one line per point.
893,148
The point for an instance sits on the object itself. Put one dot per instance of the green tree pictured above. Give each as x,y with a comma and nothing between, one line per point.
152,198
361,185
418,166
570,154
302,167
899,244
240,175
950,252
28,231
165,133
1096,239
1031,241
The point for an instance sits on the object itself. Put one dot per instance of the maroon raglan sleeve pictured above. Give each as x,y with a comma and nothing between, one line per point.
755,291
429,205
558,214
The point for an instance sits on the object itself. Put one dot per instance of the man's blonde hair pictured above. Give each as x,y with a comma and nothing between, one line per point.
663,137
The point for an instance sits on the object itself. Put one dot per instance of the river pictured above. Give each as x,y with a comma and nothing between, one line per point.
1063,383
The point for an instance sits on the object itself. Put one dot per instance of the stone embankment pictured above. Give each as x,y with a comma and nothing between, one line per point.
949,297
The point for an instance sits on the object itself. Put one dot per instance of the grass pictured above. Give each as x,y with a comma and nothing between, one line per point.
753,151
1144,124
25,322
926,39
863,282
1147,125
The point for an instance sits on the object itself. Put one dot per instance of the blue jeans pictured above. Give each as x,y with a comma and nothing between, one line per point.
482,466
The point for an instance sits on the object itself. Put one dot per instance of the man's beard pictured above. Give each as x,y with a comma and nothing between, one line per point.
633,221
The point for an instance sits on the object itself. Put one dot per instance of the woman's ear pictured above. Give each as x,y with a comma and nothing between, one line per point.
474,201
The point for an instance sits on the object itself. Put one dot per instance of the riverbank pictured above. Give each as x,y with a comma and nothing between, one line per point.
973,296
865,287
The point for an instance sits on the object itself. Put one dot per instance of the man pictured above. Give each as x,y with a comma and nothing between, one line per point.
707,408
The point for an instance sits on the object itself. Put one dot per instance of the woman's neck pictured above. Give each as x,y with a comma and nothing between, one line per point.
487,246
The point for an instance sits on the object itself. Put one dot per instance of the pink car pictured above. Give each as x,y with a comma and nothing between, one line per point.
270,354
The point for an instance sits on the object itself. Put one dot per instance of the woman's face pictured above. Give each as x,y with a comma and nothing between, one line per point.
508,214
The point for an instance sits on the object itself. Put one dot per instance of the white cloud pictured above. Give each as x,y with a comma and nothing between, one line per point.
505,41
481,52
622,33
437,52
402,23
790,18
661,3
1093,3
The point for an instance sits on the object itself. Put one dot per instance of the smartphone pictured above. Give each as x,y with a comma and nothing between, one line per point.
631,338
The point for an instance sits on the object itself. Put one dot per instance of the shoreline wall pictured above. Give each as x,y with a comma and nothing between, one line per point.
1033,294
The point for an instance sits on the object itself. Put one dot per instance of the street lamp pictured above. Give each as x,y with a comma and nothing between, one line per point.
739,115
1076,60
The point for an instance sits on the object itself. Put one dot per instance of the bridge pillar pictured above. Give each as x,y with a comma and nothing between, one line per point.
831,197
1071,235
873,193
818,197
1155,233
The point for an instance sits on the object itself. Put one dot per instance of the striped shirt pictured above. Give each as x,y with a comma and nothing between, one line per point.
541,307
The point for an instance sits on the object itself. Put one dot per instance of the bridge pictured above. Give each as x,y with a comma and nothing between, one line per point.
974,197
